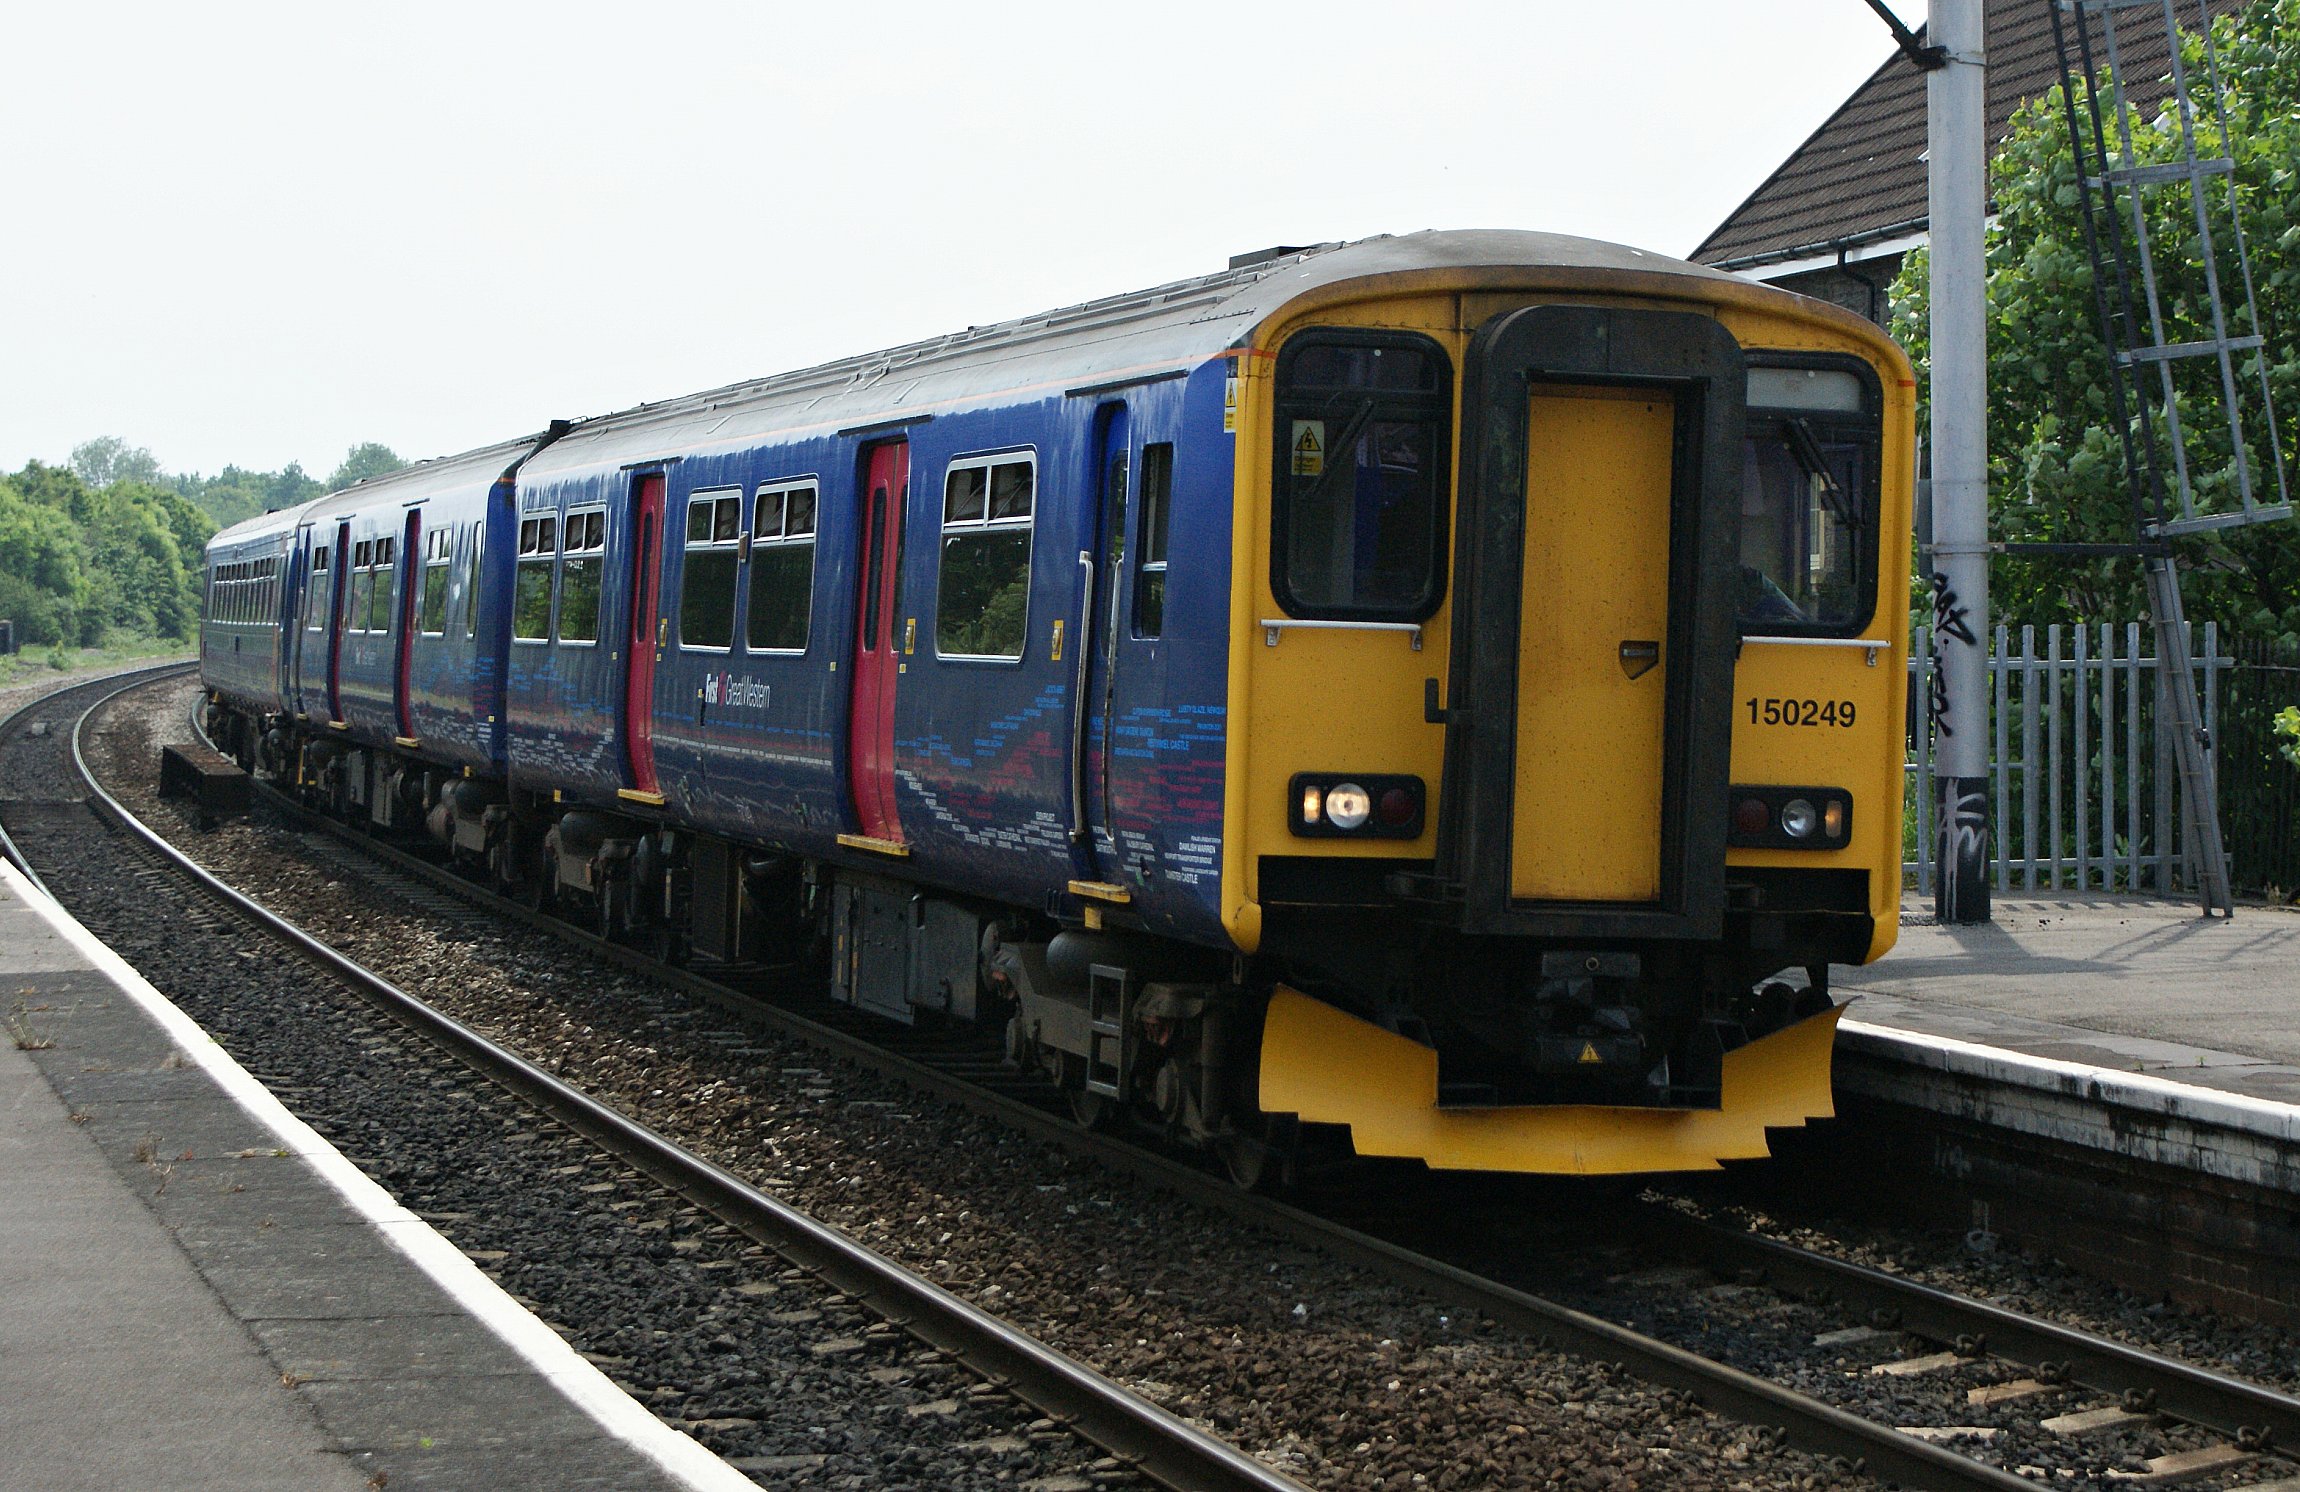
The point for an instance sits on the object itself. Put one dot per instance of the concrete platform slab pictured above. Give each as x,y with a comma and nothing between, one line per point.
197,1291
2135,983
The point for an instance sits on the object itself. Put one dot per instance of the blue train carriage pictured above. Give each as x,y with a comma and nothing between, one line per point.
393,653
877,627
249,583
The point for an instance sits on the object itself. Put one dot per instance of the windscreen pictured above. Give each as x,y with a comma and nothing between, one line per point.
1808,503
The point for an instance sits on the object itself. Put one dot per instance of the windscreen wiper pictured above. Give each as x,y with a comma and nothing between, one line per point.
1807,450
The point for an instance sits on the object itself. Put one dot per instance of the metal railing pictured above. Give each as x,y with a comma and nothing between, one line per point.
2084,788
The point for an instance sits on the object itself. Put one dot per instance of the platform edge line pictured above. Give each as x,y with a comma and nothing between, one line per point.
575,1377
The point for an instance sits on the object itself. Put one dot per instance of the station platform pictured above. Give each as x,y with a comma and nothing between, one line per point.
2127,1025
197,1291
2115,1078
2124,984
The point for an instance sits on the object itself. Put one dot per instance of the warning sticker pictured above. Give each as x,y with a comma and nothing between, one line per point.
1230,406
1589,1053
1309,448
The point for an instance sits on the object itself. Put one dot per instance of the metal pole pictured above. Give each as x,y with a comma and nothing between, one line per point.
1958,204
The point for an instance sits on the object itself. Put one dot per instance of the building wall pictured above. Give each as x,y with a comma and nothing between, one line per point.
1863,288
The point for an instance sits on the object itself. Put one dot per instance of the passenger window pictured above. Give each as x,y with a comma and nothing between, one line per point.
579,575
362,585
1358,525
379,617
707,578
1150,548
436,543
982,607
782,569
531,591
315,596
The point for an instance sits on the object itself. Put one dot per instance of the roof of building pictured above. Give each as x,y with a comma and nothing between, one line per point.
1860,177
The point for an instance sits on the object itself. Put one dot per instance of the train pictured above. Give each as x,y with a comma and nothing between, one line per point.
1440,694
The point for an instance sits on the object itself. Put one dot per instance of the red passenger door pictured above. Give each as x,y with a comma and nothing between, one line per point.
639,678
878,643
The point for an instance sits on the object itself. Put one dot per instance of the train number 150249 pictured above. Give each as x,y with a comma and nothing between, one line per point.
1800,712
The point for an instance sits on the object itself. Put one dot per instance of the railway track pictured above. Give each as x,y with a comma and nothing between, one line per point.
2253,1419
2145,1384
1132,1429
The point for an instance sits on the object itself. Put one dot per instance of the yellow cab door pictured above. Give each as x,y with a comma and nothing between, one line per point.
1592,670
1589,739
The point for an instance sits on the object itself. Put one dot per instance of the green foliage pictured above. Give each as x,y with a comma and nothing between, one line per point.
235,493
79,564
108,459
362,462
112,547
2055,468
2288,727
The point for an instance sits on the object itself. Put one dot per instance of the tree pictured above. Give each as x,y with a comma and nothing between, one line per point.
43,580
2055,468
364,461
108,459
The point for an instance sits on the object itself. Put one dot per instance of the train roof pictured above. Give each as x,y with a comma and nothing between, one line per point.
1118,339
1111,342
461,473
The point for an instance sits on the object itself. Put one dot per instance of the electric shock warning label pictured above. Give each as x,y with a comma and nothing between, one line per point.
1309,448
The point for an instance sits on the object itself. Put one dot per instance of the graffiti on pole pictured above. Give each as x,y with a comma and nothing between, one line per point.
1949,623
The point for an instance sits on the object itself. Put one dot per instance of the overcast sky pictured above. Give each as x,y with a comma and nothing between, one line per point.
251,234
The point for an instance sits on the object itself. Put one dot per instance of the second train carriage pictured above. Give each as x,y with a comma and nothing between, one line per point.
1432,685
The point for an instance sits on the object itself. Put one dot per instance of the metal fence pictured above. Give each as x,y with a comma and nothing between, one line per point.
2259,790
2085,791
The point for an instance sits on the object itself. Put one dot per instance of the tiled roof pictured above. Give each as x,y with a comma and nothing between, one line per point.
1861,175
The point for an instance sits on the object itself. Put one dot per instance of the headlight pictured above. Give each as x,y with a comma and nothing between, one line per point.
1357,805
1790,817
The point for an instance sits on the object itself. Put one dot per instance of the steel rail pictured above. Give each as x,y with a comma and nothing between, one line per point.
8,727
1800,1420
2251,1413
1154,1442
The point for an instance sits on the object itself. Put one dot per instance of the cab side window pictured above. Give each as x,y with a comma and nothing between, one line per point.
1359,513
1150,550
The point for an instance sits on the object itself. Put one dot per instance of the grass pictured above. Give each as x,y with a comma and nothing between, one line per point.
21,1033
38,662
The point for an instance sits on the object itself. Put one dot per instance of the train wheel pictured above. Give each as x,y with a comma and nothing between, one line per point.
1091,1110
665,944
1258,1155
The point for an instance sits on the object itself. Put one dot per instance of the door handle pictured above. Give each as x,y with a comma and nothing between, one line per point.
1639,657
1085,652
1432,711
